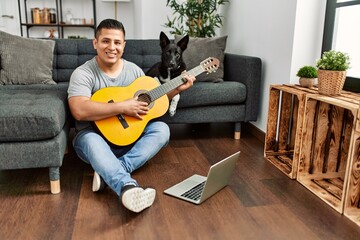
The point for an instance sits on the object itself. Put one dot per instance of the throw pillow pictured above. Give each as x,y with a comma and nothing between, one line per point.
25,60
199,49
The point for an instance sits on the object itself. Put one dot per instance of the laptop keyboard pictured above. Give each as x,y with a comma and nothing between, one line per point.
195,192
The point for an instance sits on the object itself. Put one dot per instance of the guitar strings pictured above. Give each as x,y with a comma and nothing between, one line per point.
158,92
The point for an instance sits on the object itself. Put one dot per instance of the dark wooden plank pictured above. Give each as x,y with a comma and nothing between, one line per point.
287,160
321,130
259,203
305,160
284,123
277,162
29,211
330,188
273,112
294,120
334,139
338,182
273,153
346,140
352,201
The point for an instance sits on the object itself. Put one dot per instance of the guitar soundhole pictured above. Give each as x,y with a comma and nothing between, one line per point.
145,98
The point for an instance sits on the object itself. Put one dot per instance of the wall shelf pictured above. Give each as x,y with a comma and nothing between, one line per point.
60,24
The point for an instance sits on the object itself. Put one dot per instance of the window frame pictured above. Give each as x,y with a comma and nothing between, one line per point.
351,83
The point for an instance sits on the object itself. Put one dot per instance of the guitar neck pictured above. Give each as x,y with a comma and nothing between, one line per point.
172,84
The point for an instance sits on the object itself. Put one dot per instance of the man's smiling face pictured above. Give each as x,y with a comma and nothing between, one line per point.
110,46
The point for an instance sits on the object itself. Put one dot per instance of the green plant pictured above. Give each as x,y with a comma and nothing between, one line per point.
197,18
307,72
334,60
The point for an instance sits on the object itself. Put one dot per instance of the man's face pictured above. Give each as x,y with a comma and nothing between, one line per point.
109,45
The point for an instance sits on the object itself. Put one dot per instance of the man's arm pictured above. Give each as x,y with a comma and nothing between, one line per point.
84,109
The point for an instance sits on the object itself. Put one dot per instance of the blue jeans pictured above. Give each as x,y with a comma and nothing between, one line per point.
114,164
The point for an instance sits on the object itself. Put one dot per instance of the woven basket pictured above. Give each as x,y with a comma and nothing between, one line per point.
331,82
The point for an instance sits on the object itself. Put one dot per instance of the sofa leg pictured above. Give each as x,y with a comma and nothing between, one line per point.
237,132
54,173
55,186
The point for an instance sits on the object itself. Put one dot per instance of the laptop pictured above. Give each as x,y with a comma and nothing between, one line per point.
197,189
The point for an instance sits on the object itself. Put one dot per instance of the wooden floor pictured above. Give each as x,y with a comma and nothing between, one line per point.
260,202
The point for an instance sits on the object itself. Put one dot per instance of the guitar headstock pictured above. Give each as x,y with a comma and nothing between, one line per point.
210,64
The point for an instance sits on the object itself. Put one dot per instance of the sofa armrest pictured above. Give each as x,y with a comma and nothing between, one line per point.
247,70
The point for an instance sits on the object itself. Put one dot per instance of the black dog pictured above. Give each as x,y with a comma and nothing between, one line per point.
171,65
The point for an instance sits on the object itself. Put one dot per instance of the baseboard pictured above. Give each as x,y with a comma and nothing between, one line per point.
253,130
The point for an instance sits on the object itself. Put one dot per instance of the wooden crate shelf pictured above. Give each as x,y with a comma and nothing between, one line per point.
326,145
352,199
285,115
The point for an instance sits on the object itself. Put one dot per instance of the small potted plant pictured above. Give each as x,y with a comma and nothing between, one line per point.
307,76
332,68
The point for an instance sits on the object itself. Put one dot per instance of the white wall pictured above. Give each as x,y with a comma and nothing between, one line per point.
284,34
151,16
264,29
308,34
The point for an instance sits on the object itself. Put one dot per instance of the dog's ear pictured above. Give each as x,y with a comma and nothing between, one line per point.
164,40
183,43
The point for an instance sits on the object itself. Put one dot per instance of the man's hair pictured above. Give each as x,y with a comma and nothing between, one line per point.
109,24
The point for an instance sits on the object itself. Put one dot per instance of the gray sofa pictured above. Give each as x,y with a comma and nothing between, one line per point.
35,119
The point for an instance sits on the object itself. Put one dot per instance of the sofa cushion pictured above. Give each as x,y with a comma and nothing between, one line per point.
144,53
69,54
210,94
27,115
25,61
62,86
200,49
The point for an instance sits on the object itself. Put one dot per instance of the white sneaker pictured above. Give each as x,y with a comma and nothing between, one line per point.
137,199
98,183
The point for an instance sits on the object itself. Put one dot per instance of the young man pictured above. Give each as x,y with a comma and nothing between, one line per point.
114,164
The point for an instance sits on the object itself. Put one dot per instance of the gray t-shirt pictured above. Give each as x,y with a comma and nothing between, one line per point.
88,78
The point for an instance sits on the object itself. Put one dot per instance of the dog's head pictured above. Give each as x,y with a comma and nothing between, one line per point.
171,56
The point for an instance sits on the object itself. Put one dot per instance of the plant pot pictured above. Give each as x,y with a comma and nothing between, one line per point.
331,82
306,82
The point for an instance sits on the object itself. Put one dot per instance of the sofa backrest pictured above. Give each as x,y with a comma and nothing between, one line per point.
71,53
68,55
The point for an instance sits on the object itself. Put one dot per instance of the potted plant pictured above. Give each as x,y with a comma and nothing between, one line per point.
196,18
307,76
332,68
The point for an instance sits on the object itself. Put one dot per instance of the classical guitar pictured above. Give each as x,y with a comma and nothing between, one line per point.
123,130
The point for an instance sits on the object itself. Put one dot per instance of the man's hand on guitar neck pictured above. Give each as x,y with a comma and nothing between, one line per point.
188,82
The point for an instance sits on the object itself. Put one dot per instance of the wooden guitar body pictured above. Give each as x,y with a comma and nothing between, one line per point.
122,130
